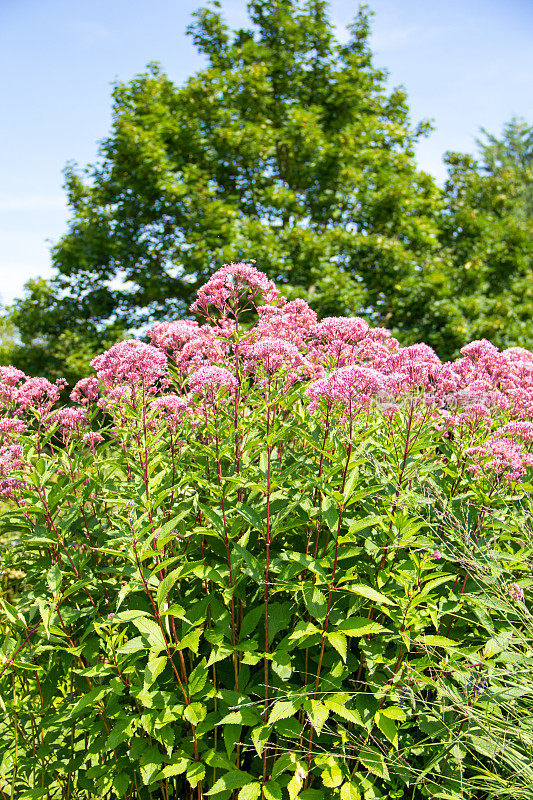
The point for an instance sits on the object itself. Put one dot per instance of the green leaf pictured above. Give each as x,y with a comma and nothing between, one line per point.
339,708
195,773
370,594
152,631
339,642
361,524
232,734
349,791
359,626
250,621
191,640
194,713
53,579
166,585
373,760
154,668
312,794
216,521
89,699
283,709
231,780
272,791
198,678
315,602
250,792
438,641
318,714
260,736
281,664
244,716
177,768
250,516
395,712
135,645
387,727
332,776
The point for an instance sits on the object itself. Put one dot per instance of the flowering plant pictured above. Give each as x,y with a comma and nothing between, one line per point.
278,560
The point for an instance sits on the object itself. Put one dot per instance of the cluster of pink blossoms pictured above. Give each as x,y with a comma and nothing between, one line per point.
232,289
132,362
485,396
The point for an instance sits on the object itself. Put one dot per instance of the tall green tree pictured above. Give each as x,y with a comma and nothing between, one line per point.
286,149
483,287
512,152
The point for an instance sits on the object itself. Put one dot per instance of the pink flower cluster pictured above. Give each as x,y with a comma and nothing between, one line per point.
501,456
212,378
132,362
515,592
85,391
232,289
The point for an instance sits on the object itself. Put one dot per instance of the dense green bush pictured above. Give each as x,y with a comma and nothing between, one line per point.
279,560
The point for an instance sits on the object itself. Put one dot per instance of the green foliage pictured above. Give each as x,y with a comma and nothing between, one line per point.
483,287
513,153
249,603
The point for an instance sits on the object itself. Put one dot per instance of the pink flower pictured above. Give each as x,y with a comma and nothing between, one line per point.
131,362
173,335
436,554
501,456
85,391
209,378
233,288
12,425
515,592
295,321
92,438
39,393
70,419
272,355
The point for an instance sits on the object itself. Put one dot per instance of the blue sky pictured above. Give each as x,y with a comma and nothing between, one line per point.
464,63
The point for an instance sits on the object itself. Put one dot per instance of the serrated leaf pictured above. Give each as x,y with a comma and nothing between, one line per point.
373,760
339,708
395,712
176,769
282,710
438,641
332,776
250,792
198,678
53,579
339,642
318,714
191,640
166,585
195,773
151,629
250,515
259,737
235,779
231,734
244,716
315,602
194,713
272,791
154,668
349,791
387,727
